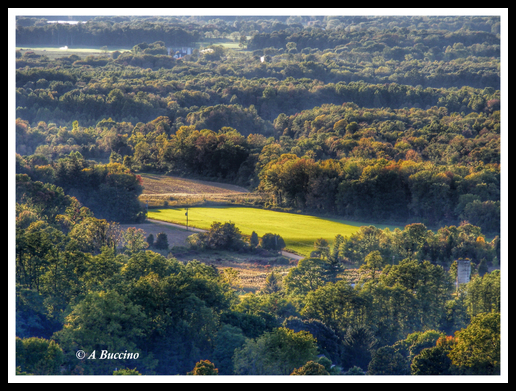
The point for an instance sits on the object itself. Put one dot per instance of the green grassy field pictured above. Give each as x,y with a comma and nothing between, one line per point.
84,51
298,231
56,51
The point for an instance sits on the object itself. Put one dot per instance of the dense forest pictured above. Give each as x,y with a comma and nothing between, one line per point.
381,119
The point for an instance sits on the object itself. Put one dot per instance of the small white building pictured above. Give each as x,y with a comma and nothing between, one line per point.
463,272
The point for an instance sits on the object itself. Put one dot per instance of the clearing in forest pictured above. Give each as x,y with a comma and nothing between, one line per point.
163,190
298,231
156,184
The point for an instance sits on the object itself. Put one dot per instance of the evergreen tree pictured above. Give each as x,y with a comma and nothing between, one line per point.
254,241
161,241
272,284
150,240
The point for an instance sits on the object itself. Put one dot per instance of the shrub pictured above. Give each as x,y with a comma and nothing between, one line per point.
271,241
161,241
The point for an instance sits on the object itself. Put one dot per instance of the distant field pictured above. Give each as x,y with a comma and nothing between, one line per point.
162,190
168,185
57,51
298,231
226,43
83,51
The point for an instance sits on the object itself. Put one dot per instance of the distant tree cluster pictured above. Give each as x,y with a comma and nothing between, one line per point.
226,236
110,190
415,241
387,190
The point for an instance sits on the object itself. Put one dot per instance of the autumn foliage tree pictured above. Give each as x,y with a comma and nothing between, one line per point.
204,368
311,368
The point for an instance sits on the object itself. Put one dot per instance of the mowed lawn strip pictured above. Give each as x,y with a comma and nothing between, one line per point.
298,231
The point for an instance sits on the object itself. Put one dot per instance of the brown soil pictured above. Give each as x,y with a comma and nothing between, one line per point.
168,185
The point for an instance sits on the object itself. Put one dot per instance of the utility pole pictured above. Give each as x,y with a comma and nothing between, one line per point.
186,214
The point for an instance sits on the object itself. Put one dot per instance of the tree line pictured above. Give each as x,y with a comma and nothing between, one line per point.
321,29
104,33
63,98
442,247
384,190
390,41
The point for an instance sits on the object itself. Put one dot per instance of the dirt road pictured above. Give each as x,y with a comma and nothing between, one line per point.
175,225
